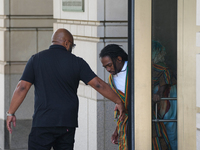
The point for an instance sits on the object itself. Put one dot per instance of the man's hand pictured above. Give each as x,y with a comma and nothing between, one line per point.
10,120
114,138
121,109
104,89
156,97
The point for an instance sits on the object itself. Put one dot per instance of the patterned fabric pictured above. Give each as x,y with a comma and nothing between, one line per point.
121,126
161,76
160,140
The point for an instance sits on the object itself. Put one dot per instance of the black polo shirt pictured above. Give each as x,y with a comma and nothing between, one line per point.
55,74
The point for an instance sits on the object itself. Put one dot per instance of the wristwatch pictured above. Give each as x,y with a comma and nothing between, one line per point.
7,114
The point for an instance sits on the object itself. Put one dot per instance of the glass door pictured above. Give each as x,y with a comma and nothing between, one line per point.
164,74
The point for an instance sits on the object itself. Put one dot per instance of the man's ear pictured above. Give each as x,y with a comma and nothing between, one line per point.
65,42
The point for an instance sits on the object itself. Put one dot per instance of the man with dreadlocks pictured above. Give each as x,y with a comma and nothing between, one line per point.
115,61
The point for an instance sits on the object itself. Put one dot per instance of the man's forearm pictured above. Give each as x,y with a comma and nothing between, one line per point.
104,89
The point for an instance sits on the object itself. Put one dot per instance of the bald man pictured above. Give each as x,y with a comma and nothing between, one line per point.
55,74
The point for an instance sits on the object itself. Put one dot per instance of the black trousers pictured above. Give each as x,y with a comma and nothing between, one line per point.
44,138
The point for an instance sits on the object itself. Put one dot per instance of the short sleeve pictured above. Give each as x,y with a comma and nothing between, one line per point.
86,73
28,74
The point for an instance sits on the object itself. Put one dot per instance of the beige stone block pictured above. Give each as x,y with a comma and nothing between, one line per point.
198,139
92,11
81,142
88,91
2,43
86,50
67,26
4,7
60,25
100,10
198,12
57,8
30,7
7,45
198,39
74,30
81,89
30,22
100,31
116,31
88,31
110,124
2,96
1,7
197,80
81,30
100,125
94,31
2,68
17,68
2,22
55,26
198,121
7,92
25,111
94,94
100,68
23,45
116,10
92,125
44,40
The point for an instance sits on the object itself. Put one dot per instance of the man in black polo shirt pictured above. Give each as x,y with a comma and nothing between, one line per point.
55,74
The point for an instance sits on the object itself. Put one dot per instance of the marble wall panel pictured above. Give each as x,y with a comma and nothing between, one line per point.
116,10
198,139
110,125
2,43
81,136
4,7
44,40
2,95
26,109
197,80
116,31
101,124
92,124
32,22
29,7
198,12
19,137
23,45
2,131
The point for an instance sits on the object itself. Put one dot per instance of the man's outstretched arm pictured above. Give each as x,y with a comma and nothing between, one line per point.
104,89
19,94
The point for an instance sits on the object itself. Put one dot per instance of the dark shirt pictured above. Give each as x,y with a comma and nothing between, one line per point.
55,74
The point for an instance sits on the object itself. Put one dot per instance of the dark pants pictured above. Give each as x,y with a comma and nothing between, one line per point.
44,138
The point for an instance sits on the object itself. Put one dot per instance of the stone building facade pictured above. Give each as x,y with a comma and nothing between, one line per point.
26,27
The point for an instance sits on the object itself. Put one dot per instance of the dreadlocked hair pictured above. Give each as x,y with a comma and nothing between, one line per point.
113,51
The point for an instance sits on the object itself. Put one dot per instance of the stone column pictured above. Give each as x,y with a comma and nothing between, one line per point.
198,76
25,28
